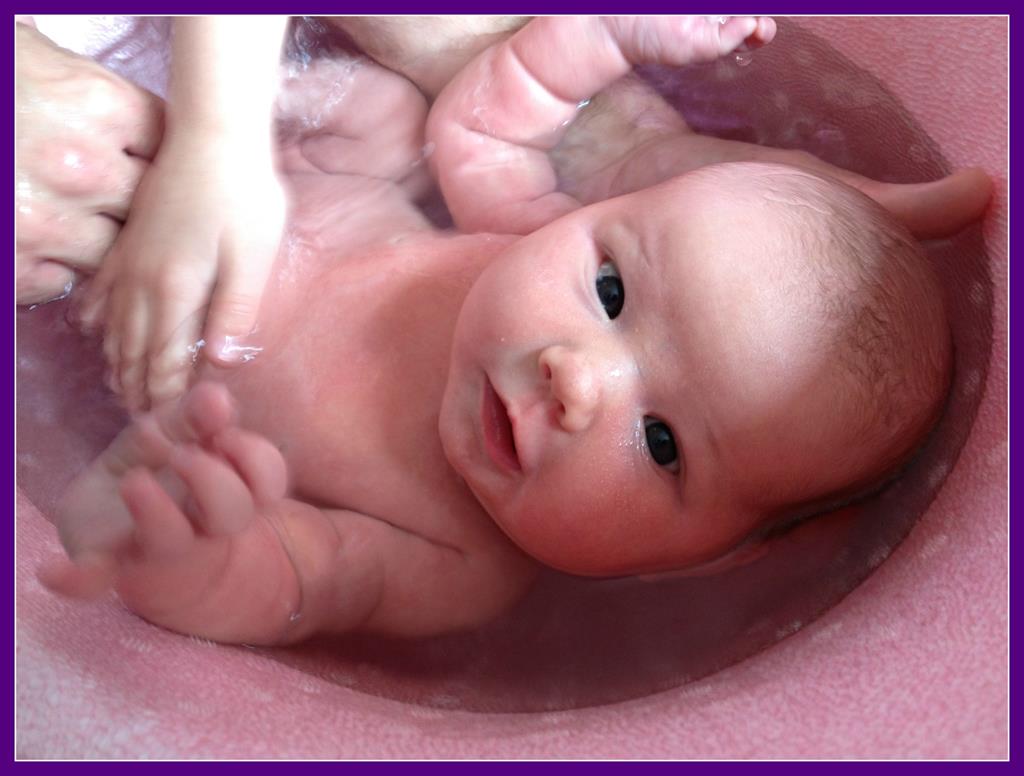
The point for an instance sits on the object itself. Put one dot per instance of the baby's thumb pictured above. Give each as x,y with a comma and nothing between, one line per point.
734,31
230,322
87,578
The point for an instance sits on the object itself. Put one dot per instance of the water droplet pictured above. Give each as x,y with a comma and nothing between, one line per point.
73,160
234,350
744,58
194,348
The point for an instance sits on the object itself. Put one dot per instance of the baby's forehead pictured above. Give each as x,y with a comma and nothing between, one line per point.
783,221
785,193
743,283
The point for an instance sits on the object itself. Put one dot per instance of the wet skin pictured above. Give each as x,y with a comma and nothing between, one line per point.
379,357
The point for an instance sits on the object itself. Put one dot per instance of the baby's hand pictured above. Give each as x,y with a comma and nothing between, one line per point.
191,263
685,40
174,516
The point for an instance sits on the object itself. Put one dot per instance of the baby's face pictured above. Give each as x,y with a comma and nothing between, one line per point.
630,389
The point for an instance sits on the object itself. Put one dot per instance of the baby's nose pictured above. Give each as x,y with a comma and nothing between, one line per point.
574,385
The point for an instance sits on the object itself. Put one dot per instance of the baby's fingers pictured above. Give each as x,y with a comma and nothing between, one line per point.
257,461
223,502
87,577
161,528
763,34
735,31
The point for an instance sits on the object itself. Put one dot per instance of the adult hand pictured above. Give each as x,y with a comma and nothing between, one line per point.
84,136
191,263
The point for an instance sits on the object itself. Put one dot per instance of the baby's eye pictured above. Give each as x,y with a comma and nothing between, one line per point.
661,443
610,289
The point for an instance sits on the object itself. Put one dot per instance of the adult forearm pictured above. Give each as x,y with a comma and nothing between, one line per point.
224,75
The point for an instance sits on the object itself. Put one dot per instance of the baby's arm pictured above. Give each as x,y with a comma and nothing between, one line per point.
193,258
185,515
627,139
495,123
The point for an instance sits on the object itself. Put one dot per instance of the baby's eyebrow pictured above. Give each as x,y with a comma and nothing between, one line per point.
642,252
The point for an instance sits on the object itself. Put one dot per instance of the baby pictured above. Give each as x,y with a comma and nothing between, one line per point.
191,263
655,382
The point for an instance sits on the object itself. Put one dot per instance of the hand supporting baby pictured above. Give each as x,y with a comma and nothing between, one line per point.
191,263
193,259
84,138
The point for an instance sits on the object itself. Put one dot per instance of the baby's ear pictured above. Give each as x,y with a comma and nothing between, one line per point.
743,555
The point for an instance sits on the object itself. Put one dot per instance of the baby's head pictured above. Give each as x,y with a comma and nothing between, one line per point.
655,381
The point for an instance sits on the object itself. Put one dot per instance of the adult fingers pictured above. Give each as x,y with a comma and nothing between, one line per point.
174,339
145,127
233,311
89,310
125,344
42,281
115,200
87,244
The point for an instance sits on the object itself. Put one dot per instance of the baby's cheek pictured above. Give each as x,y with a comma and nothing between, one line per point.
585,499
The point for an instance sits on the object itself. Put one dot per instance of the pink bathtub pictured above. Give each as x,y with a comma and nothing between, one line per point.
912,663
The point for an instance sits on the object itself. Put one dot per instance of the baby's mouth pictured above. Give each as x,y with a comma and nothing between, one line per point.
499,439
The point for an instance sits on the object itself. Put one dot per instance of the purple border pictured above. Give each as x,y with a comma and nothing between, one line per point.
792,7
588,6
1015,218
8,353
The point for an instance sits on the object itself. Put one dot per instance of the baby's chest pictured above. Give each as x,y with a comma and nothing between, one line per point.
349,387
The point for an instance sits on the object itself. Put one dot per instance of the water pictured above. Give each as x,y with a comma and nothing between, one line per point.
237,349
